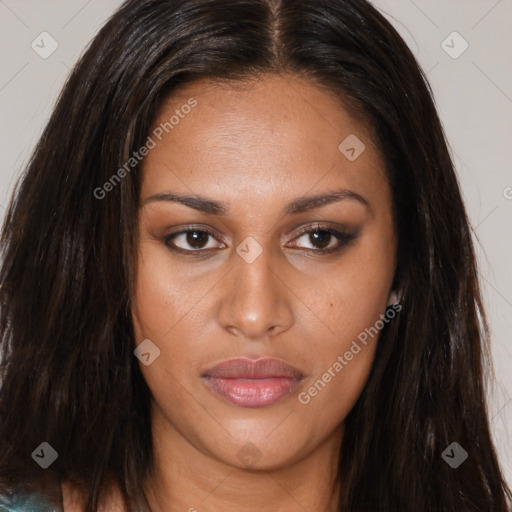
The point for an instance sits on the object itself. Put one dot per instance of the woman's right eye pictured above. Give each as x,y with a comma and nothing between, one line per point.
190,240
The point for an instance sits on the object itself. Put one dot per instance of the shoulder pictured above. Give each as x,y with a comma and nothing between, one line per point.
46,498
39,495
23,498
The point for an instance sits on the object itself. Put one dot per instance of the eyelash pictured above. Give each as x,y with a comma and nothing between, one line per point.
344,239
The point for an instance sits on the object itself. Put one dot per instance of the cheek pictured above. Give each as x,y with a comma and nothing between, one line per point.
164,293
163,299
352,300
153,309
166,310
332,393
352,294
343,360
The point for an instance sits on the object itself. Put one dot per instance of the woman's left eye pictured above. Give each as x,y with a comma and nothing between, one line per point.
322,238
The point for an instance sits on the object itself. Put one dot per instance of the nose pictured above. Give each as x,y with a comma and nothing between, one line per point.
256,300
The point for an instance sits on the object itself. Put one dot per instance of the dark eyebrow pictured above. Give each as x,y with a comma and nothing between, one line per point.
299,205
306,203
199,203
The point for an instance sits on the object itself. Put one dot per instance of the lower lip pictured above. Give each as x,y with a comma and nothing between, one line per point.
253,392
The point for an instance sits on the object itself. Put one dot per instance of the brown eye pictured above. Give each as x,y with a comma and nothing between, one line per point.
320,238
190,240
196,239
325,240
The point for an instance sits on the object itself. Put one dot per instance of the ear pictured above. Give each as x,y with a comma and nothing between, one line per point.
393,298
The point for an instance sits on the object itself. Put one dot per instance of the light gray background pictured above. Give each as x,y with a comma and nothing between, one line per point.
473,94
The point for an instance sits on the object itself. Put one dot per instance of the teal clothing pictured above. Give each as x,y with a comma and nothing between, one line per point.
45,496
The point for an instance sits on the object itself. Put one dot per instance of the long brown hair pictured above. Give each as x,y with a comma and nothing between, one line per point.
68,373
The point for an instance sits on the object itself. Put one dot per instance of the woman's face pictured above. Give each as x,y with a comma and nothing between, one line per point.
249,160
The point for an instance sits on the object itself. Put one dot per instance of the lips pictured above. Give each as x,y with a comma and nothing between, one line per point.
248,383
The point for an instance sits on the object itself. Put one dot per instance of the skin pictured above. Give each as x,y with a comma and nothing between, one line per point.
256,147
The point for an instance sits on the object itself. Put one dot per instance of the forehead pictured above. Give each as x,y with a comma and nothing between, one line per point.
270,137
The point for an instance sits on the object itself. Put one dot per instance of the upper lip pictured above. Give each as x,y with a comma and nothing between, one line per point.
244,368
